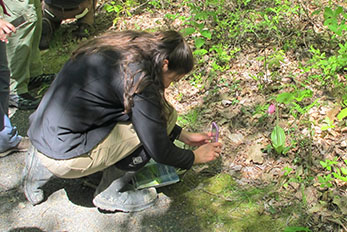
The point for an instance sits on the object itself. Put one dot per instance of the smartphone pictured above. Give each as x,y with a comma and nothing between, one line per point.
215,131
18,21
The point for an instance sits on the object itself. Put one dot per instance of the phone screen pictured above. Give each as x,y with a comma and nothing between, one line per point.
215,131
18,21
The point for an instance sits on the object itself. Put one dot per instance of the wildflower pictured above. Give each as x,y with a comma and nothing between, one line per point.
271,109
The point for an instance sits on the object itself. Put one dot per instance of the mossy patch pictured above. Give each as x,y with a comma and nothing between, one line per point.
218,203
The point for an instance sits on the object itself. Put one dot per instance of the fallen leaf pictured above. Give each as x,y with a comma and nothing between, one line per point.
341,202
311,195
236,138
255,154
333,112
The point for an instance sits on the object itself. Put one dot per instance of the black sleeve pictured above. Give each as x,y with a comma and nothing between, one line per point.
149,126
175,133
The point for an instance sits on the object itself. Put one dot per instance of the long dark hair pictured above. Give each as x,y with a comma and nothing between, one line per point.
153,48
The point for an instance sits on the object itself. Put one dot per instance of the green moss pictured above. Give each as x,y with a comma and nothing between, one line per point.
218,203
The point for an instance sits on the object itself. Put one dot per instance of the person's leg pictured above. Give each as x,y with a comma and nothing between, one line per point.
34,176
9,137
90,16
120,143
113,193
19,51
35,65
4,84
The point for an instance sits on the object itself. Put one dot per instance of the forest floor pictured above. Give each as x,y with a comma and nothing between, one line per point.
250,188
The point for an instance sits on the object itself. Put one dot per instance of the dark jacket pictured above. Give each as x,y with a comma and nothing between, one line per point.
85,102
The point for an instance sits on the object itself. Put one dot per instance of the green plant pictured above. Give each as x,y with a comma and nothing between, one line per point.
292,100
342,114
335,171
120,8
335,20
278,140
328,124
189,119
296,229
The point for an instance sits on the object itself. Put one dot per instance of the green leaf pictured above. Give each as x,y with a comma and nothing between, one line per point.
323,164
278,139
206,34
344,171
303,94
200,52
188,31
199,42
328,12
316,12
285,98
342,114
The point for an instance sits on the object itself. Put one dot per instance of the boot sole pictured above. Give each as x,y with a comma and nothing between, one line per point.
105,205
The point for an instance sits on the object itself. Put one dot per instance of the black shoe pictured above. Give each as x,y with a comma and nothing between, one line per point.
35,175
46,35
37,81
23,101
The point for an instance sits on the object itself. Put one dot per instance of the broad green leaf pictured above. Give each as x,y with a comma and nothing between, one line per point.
278,139
200,52
285,98
323,163
344,171
303,94
342,114
338,11
328,12
199,42
188,31
206,34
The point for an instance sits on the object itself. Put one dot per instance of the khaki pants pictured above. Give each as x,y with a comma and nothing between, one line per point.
121,142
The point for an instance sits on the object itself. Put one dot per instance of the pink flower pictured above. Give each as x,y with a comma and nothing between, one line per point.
272,109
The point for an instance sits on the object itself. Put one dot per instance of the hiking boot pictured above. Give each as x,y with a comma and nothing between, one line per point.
23,101
46,35
117,197
108,176
22,146
37,81
35,175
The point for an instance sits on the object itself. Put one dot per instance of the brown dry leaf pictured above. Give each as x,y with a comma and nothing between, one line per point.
255,154
341,202
311,195
317,208
333,112
235,138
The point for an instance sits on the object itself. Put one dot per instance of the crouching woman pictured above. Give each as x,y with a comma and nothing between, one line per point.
106,111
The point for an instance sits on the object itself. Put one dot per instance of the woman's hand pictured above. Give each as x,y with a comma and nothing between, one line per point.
194,139
207,152
6,29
